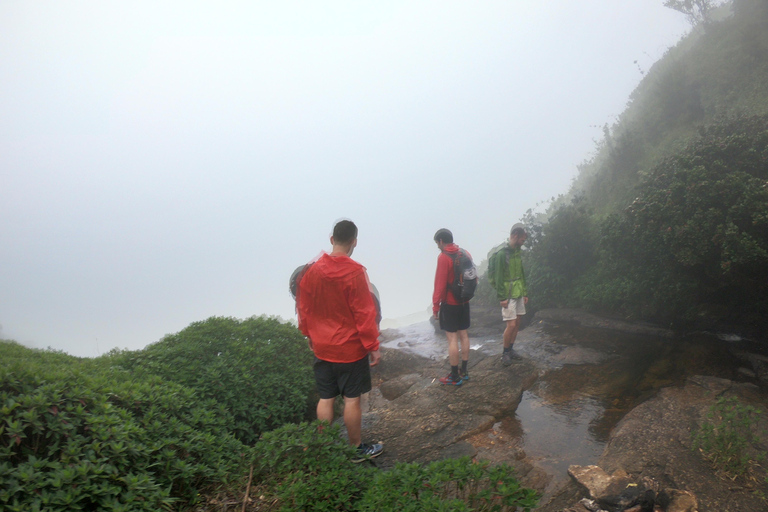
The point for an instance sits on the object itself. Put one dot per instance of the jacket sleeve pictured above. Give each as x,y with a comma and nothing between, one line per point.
522,278
496,274
441,283
364,312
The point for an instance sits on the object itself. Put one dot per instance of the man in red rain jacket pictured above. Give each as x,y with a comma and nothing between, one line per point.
452,312
337,314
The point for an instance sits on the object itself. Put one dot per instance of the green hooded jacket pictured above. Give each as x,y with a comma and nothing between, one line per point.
505,272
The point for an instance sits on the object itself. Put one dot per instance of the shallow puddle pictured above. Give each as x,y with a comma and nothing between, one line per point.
591,378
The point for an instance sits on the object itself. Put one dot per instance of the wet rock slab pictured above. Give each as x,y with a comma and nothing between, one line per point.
579,317
421,420
654,443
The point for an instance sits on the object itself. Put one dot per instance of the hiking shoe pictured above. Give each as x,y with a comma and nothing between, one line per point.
508,357
464,377
367,451
448,379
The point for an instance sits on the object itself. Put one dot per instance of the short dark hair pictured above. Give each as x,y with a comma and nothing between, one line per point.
517,231
344,232
444,235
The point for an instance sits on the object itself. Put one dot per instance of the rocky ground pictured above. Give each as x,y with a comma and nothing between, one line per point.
650,450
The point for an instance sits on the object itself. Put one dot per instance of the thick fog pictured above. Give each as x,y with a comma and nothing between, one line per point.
163,162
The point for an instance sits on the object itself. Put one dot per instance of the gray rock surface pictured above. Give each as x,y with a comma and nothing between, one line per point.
418,419
654,442
421,420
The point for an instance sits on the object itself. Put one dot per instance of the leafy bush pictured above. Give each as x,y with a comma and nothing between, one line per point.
676,212
691,250
309,467
82,435
453,484
562,250
695,240
258,370
728,439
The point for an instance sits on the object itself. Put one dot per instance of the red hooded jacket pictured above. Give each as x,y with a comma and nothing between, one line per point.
443,277
336,310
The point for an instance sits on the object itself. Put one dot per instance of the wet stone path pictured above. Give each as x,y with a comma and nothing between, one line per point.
586,380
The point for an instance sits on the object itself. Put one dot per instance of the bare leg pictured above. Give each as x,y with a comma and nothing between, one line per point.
325,409
464,337
510,332
453,348
353,420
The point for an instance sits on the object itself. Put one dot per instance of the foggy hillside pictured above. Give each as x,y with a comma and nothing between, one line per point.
668,221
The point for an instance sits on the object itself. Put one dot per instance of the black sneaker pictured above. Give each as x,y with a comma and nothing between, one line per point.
367,451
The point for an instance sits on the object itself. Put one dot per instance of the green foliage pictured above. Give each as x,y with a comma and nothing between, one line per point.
728,439
559,252
83,435
705,77
448,485
310,468
695,240
258,371
690,250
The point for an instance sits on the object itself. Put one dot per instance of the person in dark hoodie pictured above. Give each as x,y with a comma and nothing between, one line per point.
452,312
337,314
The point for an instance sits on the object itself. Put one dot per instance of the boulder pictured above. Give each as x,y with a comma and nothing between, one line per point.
614,492
429,420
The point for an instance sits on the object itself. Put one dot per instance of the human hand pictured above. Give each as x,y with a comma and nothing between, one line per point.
525,300
504,303
310,345
375,356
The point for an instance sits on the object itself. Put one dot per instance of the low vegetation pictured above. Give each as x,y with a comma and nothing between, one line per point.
308,467
87,435
729,440
175,425
258,371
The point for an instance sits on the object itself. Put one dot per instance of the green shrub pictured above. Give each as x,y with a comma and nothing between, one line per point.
310,468
728,439
690,250
695,240
676,193
448,485
258,370
81,434
561,251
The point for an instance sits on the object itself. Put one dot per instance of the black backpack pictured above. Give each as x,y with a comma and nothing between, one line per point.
464,276
293,282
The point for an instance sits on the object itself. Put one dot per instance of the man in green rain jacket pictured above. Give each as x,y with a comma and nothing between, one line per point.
505,272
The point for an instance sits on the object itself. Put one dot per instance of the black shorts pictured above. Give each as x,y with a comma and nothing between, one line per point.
347,379
454,318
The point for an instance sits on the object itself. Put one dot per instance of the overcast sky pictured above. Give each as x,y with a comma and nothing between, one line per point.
163,162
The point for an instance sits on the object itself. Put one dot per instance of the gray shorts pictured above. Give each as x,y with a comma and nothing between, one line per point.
515,308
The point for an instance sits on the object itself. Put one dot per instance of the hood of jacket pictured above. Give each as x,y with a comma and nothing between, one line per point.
451,248
338,267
